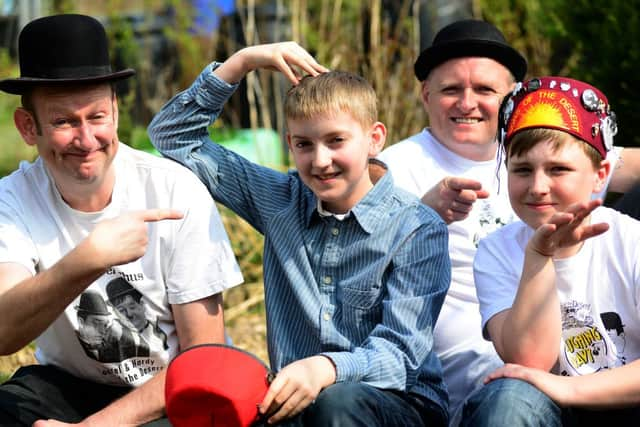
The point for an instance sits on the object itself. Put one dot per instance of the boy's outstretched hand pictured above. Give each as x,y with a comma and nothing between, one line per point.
566,229
296,387
287,57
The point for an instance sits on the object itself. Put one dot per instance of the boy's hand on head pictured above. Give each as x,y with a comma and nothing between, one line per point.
124,239
287,57
453,197
566,229
296,387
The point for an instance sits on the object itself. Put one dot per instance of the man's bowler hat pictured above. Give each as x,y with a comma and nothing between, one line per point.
474,38
62,49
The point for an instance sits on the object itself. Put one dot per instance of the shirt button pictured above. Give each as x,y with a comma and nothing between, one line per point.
335,231
327,280
326,316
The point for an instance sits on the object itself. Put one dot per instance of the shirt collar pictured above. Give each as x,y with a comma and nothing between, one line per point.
322,212
375,205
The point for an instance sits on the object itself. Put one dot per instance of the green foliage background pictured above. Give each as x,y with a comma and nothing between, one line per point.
598,42
594,41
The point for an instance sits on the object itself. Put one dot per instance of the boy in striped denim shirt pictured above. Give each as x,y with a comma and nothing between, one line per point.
355,272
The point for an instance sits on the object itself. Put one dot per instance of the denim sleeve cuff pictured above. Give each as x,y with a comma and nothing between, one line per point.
214,92
350,367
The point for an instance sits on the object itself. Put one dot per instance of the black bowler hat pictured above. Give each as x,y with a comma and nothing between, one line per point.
62,49
92,303
470,37
119,287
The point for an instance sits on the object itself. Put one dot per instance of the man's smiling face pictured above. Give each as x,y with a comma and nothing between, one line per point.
462,98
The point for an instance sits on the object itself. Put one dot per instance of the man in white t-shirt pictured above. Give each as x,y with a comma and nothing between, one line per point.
88,213
452,166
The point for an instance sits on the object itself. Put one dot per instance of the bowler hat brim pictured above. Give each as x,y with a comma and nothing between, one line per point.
438,54
19,86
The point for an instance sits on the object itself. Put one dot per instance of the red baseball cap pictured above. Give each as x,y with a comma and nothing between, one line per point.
215,385
563,104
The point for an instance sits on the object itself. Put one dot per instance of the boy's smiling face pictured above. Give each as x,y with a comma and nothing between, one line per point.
545,180
331,154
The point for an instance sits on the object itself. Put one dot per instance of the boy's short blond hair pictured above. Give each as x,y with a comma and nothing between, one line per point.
522,142
330,93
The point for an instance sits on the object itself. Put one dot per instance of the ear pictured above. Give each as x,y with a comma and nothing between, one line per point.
26,125
288,136
378,138
114,104
602,175
425,94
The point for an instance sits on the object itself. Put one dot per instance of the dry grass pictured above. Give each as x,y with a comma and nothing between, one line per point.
9,364
244,305
246,322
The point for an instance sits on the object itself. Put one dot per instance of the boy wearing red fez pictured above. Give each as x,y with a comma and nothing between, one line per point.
559,289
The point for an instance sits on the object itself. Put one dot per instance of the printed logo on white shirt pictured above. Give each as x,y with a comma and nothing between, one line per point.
118,333
586,345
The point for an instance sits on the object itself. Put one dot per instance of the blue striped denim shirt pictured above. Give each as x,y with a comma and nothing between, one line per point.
365,291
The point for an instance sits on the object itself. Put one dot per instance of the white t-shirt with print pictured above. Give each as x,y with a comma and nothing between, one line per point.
417,164
185,260
598,290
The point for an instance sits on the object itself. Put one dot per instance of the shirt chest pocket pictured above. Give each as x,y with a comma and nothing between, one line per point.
361,296
359,310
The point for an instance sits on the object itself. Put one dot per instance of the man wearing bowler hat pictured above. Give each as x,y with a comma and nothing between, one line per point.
451,165
88,210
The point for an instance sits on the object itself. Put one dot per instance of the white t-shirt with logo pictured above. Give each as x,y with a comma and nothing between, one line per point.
598,290
417,164
98,336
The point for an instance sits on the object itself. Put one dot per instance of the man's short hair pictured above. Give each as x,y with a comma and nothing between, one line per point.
330,93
